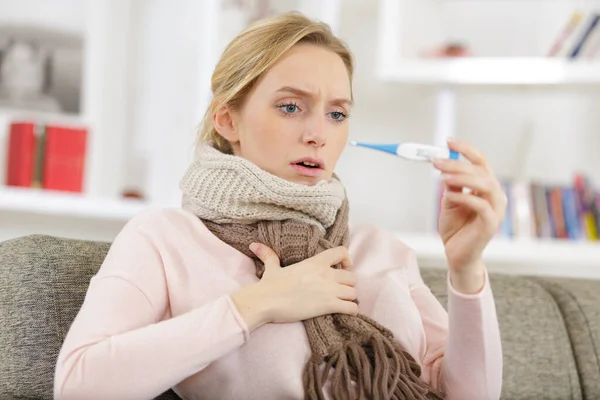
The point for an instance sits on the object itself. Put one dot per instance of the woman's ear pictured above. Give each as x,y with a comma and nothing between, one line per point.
223,121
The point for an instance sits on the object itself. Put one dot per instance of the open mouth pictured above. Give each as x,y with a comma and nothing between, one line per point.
308,167
308,164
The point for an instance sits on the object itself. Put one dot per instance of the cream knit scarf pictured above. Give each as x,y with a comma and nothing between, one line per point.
241,203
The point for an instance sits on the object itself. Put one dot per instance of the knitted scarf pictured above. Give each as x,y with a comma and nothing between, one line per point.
240,204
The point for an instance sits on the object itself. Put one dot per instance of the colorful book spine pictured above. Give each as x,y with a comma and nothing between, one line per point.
585,207
585,35
555,202
571,217
566,32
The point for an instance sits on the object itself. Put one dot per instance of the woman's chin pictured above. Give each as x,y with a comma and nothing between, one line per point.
301,180
310,181
304,179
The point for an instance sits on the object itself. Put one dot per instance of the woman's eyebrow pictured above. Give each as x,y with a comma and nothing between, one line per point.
304,93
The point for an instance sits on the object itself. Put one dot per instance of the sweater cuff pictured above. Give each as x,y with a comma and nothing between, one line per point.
238,318
466,296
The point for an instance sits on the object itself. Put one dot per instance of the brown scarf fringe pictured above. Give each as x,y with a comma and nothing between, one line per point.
378,366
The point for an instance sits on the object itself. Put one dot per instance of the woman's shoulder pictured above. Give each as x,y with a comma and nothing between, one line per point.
166,222
160,217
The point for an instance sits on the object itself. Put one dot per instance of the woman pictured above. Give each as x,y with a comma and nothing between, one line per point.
197,298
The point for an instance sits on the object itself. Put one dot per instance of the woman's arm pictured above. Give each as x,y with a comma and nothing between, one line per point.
464,351
120,346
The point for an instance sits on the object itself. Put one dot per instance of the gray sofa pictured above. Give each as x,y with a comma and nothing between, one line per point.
550,327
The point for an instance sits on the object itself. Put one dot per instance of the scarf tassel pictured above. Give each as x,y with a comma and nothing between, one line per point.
371,370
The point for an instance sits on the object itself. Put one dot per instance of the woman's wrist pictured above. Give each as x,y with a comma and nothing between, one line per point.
252,306
468,279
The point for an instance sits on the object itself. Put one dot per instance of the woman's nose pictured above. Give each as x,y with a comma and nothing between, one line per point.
315,134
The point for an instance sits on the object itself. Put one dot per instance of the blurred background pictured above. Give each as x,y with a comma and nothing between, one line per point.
100,102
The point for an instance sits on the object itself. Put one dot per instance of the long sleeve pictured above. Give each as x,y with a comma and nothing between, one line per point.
122,346
464,350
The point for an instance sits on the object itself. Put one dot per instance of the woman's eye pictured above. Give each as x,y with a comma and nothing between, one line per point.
289,108
338,115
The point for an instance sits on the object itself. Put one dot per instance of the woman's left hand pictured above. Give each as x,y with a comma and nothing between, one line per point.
468,221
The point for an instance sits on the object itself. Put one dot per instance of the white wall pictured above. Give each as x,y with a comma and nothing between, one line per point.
56,13
382,189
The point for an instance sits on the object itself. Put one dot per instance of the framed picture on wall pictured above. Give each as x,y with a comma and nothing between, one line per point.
41,60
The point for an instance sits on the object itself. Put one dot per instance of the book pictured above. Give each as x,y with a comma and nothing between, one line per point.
565,33
21,154
555,207
572,221
580,42
585,206
521,210
64,158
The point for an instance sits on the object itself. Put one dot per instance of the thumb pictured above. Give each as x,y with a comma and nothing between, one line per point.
265,254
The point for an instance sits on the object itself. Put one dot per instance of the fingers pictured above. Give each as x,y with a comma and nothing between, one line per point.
484,186
335,255
266,255
476,175
482,207
343,307
469,152
344,292
458,167
344,277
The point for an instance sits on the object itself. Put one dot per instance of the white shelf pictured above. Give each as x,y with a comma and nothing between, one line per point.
493,71
56,203
43,117
577,259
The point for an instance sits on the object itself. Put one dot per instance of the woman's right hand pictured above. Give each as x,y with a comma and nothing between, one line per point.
308,289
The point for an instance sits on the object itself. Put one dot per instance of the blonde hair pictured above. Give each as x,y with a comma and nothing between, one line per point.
250,55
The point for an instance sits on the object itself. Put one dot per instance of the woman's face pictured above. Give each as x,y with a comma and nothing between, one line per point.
293,123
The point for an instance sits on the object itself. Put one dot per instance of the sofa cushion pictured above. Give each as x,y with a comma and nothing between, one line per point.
537,353
579,302
43,282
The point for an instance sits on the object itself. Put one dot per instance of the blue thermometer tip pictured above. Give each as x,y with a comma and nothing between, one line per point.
388,148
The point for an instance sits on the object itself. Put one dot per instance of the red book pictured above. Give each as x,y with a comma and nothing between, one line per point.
21,154
64,158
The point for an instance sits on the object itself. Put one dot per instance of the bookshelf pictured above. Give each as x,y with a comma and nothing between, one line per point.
527,72
398,63
552,257
64,204
523,68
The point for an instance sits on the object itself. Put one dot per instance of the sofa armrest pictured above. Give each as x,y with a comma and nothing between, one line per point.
579,303
43,282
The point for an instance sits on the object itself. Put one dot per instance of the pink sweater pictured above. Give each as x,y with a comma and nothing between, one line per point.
158,315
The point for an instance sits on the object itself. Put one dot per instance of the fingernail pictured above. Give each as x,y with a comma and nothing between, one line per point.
450,139
447,177
253,247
